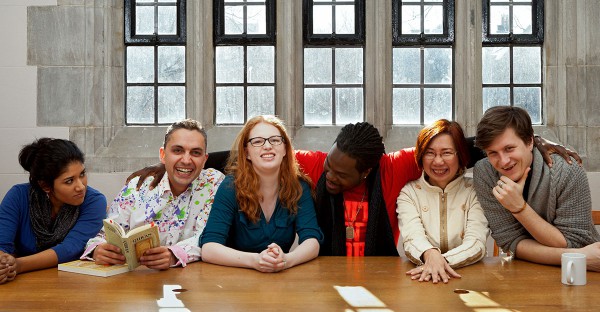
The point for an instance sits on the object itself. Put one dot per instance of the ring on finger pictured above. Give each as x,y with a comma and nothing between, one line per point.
500,184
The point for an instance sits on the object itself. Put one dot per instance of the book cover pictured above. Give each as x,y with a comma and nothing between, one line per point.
134,243
91,268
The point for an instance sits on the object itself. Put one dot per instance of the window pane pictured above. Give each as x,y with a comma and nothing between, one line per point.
434,19
322,23
317,106
344,19
257,19
411,19
171,64
261,64
406,106
499,23
495,97
437,104
438,66
407,65
140,64
495,65
527,65
261,101
171,104
348,105
230,105
229,64
140,105
317,65
144,20
234,20
522,19
530,99
349,65
167,20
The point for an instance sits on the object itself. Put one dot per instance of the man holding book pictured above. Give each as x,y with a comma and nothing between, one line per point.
179,205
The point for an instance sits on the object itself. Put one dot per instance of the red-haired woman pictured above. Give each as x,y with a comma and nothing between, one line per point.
262,204
442,223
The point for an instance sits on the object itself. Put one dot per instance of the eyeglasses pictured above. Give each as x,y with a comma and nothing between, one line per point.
259,141
445,155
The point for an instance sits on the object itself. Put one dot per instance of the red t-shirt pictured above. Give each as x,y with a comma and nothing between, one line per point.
396,169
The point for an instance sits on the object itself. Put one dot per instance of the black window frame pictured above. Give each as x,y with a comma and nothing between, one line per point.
425,41
333,39
511,41
332,42
154,40
537,25
244,40
446,38
220,38
134,39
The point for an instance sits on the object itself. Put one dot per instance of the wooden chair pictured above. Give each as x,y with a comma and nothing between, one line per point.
595,219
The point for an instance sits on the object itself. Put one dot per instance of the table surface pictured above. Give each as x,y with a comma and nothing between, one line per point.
491,283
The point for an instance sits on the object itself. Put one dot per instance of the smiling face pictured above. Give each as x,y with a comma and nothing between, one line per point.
267,158
184,156
69,187
440,160
340,172
510,155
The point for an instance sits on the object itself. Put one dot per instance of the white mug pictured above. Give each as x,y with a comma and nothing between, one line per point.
573,269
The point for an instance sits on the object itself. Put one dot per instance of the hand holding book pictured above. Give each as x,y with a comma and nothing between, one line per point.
129,247
108,254
159,258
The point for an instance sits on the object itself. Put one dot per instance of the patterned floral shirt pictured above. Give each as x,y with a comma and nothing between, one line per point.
180,219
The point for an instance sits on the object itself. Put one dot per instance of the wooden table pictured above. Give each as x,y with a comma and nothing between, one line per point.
508,286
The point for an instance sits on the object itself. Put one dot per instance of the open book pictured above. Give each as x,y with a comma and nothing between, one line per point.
134,243
91,268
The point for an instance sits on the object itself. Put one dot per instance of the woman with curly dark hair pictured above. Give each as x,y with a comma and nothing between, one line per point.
48,220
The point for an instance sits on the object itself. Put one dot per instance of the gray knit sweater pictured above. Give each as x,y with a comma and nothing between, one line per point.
560,195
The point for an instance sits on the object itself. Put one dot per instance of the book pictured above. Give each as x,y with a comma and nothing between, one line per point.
134,243
91,268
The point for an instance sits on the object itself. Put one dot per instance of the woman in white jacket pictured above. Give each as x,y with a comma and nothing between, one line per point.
441,221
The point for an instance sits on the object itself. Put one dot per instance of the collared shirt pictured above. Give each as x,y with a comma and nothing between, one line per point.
180,219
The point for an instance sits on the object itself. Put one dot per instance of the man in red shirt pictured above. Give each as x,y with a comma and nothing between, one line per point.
359,183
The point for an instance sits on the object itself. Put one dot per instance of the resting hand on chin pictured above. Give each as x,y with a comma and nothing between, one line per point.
510,193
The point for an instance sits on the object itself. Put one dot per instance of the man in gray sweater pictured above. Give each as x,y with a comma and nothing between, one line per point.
535,211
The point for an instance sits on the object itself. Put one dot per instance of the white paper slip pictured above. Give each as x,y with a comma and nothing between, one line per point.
359,297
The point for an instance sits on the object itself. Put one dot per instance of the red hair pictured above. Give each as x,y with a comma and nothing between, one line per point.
246,180
442,126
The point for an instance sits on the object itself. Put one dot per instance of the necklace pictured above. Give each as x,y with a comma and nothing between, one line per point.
350,228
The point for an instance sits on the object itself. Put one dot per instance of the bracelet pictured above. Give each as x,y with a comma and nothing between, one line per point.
520,210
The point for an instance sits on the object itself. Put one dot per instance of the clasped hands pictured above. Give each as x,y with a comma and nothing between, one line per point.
435,268
8,267
271,260
158,258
